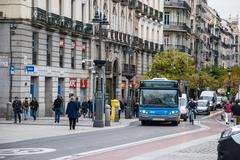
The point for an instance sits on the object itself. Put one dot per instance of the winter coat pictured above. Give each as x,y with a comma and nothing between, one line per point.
34,105
236,109
85,107
25,105
72,109
17,106
227,108
57,103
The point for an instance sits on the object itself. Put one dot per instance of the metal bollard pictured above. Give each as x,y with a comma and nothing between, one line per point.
107,115
9,111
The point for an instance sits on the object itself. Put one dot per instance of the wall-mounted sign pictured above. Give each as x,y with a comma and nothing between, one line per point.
12,69
83,83
30,69
72,83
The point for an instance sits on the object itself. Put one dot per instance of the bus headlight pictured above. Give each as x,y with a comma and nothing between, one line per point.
173,112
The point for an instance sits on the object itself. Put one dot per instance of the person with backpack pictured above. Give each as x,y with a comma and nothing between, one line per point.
57,108
236,111
34,107
25,106
17,109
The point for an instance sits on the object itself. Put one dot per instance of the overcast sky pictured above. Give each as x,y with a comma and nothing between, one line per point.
225,7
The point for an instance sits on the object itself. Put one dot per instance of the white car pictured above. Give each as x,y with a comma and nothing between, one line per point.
219,102
203,106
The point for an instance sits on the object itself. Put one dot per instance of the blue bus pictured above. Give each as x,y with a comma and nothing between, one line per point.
159,101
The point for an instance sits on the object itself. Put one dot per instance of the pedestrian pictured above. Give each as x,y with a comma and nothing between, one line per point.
57,108
228,112
90,109
17,109
25,106
236,111
72,110
79,109
34,107
84,108
136,108
192,106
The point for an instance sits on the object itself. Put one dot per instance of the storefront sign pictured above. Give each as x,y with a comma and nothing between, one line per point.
72,83
83,83
30,69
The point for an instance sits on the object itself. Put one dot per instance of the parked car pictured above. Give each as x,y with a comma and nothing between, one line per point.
211,96
183,106
203,106
219,102
229,144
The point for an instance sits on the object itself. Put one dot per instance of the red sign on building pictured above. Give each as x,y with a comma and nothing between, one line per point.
72,83
61,43
83,83
73,46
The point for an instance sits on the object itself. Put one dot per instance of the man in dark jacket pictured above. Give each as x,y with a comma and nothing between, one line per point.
17,109
34,107
79,108
57,108
236,112
72,111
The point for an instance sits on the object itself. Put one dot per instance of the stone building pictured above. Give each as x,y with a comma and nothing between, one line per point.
54,43
176,27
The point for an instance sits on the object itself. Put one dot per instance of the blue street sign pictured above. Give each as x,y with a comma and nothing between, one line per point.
29,69
12,69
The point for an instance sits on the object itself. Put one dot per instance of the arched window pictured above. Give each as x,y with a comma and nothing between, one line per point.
95,6
105,8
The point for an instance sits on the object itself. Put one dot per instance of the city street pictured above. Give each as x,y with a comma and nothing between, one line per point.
131,141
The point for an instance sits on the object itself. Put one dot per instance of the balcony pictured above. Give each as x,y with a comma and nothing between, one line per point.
124,38
179,48
77,27
116,36
131,71
88,30
66,25
156,47
138,9
124,2
108,68
160,18
39,17
177,26
116,1
53,21
135,41
151,12
133,4
177,4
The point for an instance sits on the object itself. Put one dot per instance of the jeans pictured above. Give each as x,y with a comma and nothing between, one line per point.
33,114
25,113
228,117
72,123
57,115
17,115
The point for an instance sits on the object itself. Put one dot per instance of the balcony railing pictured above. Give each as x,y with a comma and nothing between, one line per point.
177,4
129,70
124,2
145,9
66,23
39,16
88,29
146,45
139,7
180,48
116,1
133,4
177,26
78,26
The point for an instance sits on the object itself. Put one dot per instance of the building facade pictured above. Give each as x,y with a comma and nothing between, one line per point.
50,47
176,27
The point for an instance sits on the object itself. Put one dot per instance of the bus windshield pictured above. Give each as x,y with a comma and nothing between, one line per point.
159,97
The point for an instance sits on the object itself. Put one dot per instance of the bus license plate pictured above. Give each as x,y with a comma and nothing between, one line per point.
158,119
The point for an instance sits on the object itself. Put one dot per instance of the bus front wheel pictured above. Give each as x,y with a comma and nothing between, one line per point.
143,123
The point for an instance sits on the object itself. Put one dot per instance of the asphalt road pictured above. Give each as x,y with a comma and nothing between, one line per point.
85,142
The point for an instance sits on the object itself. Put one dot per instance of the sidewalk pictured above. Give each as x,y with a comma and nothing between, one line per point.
45,127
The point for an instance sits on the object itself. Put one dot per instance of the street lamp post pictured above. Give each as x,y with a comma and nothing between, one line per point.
129,77
99,63
229,83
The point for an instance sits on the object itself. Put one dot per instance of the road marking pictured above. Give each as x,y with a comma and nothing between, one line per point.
24,151
107,149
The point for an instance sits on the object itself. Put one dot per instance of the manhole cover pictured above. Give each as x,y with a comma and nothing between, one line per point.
24,151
